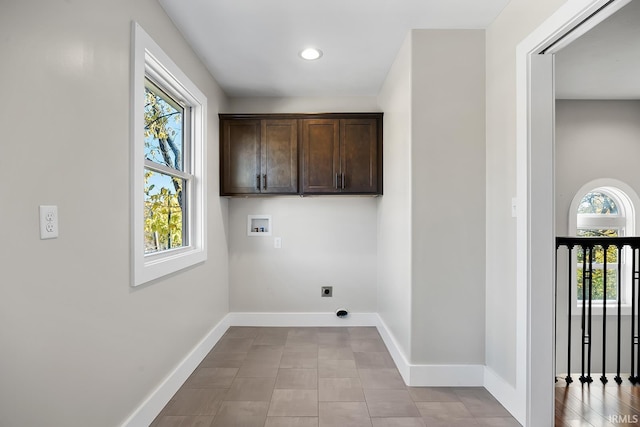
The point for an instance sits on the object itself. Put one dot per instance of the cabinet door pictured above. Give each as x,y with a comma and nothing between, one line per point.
279,157
240,159
359,156
321,155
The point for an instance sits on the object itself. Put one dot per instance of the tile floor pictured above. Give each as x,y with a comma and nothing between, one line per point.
317,377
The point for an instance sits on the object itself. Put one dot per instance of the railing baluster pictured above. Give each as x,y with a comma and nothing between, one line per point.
632,378
555,315
635,311
584,309
587,275
618,378
603,377
568,378
589,330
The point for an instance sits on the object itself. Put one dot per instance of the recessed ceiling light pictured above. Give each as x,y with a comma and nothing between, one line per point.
311,54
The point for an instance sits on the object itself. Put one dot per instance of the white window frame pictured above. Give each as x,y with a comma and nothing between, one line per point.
626,223
149,60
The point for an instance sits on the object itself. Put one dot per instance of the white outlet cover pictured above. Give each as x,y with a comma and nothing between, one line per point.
48,222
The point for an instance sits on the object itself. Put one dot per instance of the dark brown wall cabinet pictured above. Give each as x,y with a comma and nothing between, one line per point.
258,156
331,153
340,156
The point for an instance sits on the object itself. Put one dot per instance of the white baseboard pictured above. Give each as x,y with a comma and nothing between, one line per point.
447,376
301,319
430,375
506,394
151,407
413,375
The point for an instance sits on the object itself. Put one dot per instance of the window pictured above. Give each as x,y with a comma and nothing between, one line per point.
168,153
603,211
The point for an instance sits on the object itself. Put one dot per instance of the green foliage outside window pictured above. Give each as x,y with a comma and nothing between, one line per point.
164,219
598,203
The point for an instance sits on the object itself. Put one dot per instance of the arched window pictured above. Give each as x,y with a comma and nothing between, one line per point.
604,208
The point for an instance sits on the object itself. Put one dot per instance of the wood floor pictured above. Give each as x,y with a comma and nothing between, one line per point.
597,405
317,377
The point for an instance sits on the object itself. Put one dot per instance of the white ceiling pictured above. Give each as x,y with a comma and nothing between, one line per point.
251,46
604,63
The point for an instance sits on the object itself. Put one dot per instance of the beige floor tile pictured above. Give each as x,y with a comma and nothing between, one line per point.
333,338
211,378
367,345
272,336
373,360
294,403
299,360
383,395
340,390
311,377
251,389
433,394
393,409
183,421
381,379
245,414
230,345
443,410
390,403
293,347
481,403
265,353
498,422
297,379
398,422
242,332
258,369
339,414
459,422
335,352
291,422
195,401
223,360
363,332
335,368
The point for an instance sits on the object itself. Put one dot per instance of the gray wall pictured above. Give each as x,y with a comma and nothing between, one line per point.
325,241
594,140
394,208
518,19
80,347
448,203
328,240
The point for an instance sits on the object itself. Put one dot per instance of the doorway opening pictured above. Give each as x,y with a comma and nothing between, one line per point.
536,188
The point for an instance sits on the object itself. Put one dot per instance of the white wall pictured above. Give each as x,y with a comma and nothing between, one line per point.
346,104
594,140
394,208
448,147
326,241
516,21
80,347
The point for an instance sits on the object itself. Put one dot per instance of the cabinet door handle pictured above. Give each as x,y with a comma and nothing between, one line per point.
264,181
336,182
258,181
342,175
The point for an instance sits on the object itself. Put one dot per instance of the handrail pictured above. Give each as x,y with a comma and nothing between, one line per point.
633,242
